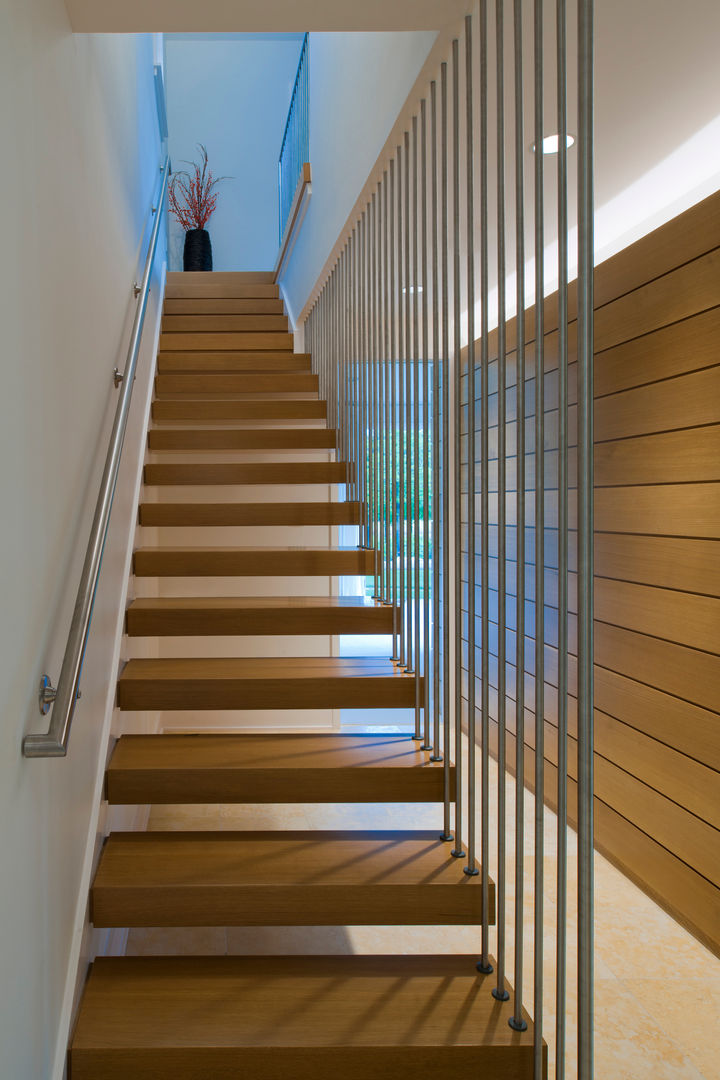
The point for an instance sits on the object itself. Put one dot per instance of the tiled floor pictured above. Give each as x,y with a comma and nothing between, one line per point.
657,990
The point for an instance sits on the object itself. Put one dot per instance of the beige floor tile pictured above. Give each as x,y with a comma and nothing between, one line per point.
260,817
689,1012
291,940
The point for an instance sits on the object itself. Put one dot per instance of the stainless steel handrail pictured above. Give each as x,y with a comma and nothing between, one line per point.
55,742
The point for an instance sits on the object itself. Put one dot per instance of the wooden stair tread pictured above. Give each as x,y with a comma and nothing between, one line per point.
311,1017
201,409
238,514
199,323
277,878
247,472
188,616
274,340
272,767
201,305
280,382
222,289
160,439
304,682
251,561
200,277
204,360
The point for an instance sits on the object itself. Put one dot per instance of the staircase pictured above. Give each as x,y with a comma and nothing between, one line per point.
228,383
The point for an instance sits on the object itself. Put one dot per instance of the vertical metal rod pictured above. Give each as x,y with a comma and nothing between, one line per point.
471,869
387,354
500,991
457,851
415,443
434,538
484,964
394,364
427,448
409,344
374,389
402,434
539,540
561,887
586,308
517,1021
445,443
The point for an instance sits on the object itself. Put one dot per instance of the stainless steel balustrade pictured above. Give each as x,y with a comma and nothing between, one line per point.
54,743
295,146
422,405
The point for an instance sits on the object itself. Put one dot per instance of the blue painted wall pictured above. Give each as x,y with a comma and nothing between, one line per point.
232,92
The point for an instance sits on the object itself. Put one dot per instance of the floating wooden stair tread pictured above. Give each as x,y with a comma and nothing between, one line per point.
258,340
198,324
281,382
273,768
234,514
280,878
251,562
220,277
282,682
221,290
199,305
305,1017
207,361
200,410
229,615
241,439
248,472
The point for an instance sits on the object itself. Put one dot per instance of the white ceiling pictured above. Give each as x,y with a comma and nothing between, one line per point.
129,16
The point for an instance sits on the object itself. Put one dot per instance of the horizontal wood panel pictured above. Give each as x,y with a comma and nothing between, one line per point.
691,675
681,292
660,354
689,511
687,895
684,402
690,620
679,241
672,563
686,456
690,838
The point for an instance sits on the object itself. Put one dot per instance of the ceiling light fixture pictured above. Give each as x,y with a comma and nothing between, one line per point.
551,143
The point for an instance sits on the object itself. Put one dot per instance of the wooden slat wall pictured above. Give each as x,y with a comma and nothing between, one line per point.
657,548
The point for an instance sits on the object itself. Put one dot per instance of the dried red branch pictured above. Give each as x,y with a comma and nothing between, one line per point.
192,196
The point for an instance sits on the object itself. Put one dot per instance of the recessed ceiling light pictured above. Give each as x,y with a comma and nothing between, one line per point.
551,143
413,289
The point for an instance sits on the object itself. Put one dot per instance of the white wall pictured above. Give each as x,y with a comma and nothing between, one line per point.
232,94
358,84
81,155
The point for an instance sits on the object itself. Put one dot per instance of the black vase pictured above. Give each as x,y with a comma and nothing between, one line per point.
197,253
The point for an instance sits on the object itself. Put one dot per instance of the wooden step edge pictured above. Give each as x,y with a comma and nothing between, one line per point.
305,1017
